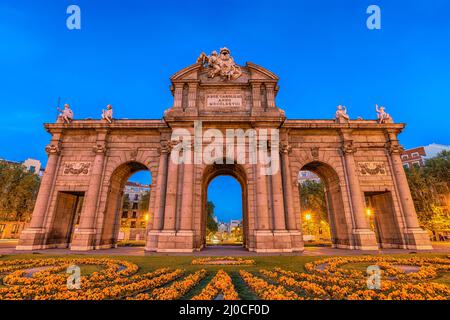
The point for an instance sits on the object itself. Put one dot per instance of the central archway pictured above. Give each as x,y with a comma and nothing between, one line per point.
237,172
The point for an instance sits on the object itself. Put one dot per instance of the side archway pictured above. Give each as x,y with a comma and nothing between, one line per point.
114,203
339,224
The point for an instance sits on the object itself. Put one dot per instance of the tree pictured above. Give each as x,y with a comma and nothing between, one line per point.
211,224
18,192
144,202
430,187
312,195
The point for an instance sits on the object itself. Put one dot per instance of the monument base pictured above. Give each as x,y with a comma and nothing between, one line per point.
32,239
365,239
83,240
277,241
417,239
170,241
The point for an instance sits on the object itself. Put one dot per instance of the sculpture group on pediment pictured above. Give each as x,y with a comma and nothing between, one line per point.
221,64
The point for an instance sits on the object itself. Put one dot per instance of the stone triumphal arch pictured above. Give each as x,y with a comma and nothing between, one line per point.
89,162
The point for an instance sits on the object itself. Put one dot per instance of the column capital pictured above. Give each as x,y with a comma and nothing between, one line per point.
99,148
348,147
171,144
163,148
285,148
393,147
53,149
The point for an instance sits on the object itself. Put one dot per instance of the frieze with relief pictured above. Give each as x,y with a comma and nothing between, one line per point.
372,168
76,168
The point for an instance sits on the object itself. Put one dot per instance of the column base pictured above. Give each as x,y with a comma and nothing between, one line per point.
83,240
277,241
364,239
170,241
32,239
417,239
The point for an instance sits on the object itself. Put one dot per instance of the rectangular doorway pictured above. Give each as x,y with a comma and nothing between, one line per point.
383,219
67,212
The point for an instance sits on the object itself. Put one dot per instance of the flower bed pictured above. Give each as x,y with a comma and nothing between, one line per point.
331,278
234,261
220,284
174,291
267,291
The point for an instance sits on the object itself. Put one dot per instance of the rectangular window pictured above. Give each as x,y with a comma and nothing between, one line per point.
2,228
404,157
406,166
15,228
415,155
133,224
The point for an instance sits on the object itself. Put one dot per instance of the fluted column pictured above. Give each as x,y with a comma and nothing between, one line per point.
87,219
186,202
407,203
277,195
261,198
171,194
44,195
158,222
356,195
287,185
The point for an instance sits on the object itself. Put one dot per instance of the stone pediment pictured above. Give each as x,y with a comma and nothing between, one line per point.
217,86
197,72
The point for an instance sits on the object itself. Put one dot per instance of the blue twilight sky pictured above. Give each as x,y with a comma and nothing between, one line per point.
126,51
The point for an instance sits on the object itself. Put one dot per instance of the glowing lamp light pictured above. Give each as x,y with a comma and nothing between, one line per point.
368,212
307,216
146,217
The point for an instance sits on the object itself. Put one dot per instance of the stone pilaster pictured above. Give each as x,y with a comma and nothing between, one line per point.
84,236
33,237
364,237
415,237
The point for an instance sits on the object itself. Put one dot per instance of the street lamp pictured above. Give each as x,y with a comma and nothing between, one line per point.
308,216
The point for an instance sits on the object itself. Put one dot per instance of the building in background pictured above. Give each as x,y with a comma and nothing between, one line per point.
134,219
417,156
31,165
307,175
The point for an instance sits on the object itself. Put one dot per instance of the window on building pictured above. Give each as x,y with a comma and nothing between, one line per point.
406,165
135,206
416,164
125,215
32,169
415,155
405,157
133,224
134,214
136,197
2,228
15,228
